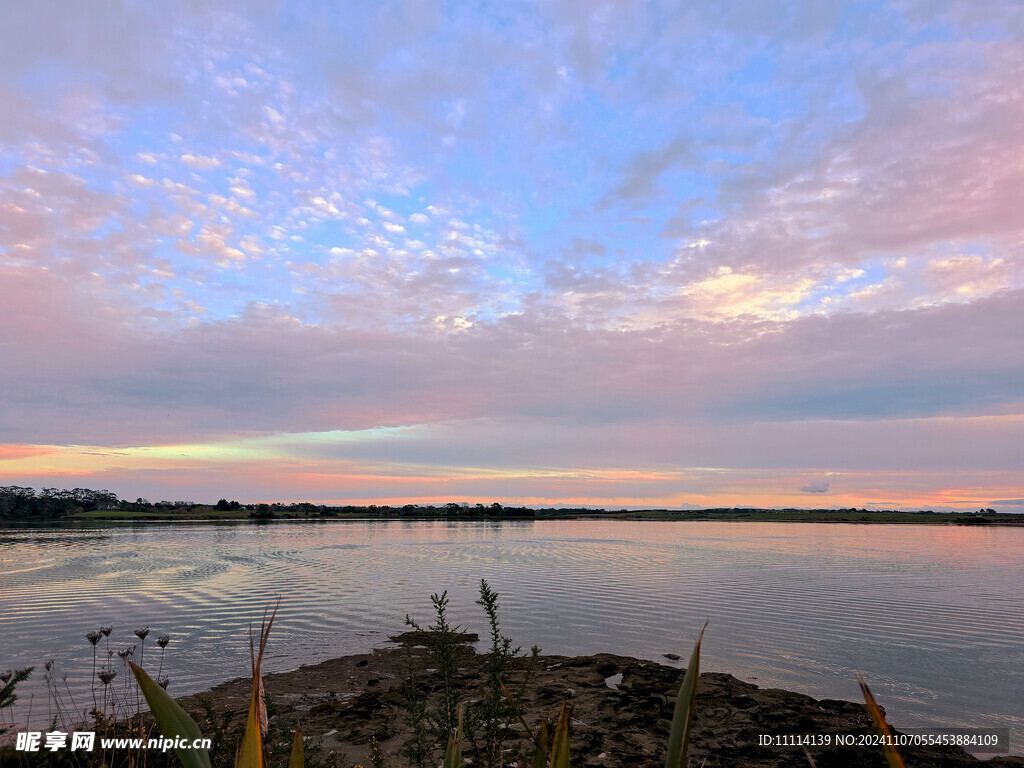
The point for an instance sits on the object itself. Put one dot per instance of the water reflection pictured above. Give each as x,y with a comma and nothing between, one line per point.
931,614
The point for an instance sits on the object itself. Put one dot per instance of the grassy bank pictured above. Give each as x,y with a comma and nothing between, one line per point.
25,505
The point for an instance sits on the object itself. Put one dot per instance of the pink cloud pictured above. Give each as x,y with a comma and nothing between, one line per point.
10,451
82,376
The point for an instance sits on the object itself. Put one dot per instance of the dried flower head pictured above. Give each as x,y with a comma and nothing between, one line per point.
163,640
107,630
124,653
107,675
48,664
6,676
142,632
163,681
93,637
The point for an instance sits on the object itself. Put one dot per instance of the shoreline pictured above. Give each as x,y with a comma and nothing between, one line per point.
343,703
850,517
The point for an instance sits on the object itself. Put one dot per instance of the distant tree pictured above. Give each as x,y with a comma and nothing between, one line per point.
263,512
16,501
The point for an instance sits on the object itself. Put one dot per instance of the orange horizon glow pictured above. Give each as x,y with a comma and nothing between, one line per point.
251,472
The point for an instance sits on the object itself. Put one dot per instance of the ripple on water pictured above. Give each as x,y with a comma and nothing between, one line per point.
796,606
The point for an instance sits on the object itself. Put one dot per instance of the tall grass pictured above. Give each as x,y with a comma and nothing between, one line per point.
111,706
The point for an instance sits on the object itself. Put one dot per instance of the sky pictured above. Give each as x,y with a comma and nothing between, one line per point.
613,253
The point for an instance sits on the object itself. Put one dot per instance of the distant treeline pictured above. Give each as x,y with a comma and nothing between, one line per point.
451,509
20,503
26,504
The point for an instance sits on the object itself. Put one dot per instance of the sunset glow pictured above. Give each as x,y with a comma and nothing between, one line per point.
608,254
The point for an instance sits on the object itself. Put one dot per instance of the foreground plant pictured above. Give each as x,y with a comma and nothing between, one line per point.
892,755
250,753
560,744
175,723
686,704
8,695
433,725
453,754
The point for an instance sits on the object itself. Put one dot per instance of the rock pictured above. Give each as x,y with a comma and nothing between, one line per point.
614,681
623,726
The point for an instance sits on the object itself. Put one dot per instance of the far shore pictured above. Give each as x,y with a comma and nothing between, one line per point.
23,505
211,514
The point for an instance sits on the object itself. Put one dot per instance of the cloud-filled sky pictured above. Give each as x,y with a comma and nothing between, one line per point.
605,252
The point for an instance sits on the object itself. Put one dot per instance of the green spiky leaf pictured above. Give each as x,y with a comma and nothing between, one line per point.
540,756
682,717
453,755
174,721
560,746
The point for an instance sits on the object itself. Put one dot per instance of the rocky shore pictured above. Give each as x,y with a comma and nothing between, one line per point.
621,712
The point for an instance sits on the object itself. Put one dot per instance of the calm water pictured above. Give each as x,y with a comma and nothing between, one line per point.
932,615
